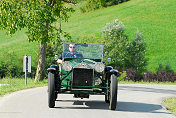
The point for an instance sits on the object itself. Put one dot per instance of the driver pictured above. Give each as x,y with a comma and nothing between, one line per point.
71,54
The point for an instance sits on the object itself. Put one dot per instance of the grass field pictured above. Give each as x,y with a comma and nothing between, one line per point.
18,45
16,84
171,104
156,19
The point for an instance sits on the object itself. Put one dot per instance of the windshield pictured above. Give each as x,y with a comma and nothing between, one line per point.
82,50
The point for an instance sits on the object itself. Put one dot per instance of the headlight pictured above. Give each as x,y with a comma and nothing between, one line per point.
99,67
67,66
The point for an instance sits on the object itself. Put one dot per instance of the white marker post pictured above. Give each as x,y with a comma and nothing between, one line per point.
26,66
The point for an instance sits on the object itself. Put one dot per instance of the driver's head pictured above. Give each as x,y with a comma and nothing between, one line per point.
72,47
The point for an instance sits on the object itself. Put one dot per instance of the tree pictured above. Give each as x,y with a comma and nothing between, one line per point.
38,17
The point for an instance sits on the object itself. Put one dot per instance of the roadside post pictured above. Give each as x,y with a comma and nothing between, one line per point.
26,66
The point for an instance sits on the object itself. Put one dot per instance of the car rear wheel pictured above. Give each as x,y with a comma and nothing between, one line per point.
113,92
51,90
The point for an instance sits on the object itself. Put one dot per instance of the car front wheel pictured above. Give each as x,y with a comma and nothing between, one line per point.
51,90
113,92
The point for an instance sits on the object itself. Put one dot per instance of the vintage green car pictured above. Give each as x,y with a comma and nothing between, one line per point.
83,73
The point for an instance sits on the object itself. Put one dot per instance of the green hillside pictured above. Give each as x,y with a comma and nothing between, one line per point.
156,19
18,46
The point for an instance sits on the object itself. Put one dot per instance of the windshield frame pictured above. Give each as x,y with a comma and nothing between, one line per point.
67,43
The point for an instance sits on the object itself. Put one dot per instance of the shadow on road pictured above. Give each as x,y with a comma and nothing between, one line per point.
121,106
84,104
139,107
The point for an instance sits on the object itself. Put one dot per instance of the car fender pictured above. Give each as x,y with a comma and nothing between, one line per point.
51,69
54,66
115,72
108,68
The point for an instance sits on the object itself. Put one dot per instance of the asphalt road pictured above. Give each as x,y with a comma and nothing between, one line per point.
134,101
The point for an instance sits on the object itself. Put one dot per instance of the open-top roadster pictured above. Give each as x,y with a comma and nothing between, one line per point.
83,73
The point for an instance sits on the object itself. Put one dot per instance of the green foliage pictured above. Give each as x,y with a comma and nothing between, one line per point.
38,16
136,55
156,21
122,52
166,68
9,67
114,2
116,43
123,75
13,66
92,5
50,57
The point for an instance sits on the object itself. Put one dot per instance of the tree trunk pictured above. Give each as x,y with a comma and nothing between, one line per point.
41,63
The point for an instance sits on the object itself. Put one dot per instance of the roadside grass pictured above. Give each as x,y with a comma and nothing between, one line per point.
16,84
170,104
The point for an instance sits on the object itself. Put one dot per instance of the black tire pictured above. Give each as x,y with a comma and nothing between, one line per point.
107,97
56,86
51,90
55,96
113,92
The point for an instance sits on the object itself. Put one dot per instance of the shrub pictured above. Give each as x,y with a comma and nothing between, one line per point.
2,70
92,5
167,68
163,76
136,55
9,66
165,73
123,53
131,75
123,75
96,4
13,67
149,77
115,43
171,77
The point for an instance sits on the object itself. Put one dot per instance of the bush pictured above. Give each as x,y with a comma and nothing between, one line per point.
13,66
123,53
92,5
162,76
136,55
165,73
131,75
8,67
96,4
150,77
115,43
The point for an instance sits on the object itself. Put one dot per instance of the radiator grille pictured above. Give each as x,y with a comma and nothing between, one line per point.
82,77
